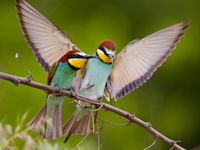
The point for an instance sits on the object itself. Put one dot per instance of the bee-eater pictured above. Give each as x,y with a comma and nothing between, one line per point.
93,80
115,77
61,75
58,55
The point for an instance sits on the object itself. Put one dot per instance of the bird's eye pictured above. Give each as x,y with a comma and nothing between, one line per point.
77,56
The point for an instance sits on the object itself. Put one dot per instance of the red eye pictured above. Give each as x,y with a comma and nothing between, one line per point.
77,56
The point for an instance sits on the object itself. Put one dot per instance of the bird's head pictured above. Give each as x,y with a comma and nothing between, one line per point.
76,59
106,51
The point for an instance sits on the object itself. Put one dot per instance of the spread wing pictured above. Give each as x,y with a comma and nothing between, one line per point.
47,41
136,63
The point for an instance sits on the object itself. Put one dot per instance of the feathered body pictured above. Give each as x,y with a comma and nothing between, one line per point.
55,51
91,84
94,81
61,75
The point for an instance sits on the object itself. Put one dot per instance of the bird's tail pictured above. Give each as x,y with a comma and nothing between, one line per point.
37,124
48,121
78,123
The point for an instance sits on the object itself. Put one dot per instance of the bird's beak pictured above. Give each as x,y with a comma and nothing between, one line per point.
111,57
90,56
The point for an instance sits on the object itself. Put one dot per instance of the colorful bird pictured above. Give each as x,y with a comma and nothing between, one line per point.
52,47
61,75
115,77
106,75
93,79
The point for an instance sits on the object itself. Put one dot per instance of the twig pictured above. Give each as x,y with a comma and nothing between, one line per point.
93,128
116,110
20,60
115,124
82,140
174,147
90,110
98,135
154,142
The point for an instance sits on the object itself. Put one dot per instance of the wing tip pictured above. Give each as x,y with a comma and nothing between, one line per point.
183,24
178,37
17,1
186,21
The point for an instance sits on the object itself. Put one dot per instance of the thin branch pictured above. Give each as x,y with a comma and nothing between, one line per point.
16,80
115,124
98,136
154,142
77,146
21,62
84,108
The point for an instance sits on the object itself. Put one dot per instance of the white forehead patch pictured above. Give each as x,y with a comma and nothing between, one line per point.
109,52
82,53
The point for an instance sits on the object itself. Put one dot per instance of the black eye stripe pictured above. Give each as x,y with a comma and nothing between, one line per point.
75,56
103,49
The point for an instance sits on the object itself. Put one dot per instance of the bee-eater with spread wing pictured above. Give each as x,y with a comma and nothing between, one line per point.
115,77
90,82
55,51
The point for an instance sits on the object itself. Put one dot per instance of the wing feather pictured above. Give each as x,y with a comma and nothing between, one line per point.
136,63
52,70
48,42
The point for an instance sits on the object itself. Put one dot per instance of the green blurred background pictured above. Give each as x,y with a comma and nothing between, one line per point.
169,100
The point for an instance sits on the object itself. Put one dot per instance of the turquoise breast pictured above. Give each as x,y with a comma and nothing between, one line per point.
63,76
94,81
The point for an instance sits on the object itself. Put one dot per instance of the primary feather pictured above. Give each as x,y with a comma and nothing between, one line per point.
47,41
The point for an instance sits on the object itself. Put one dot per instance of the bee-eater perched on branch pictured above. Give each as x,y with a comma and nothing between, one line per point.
108,75
58,55
90,82
61,75
115,77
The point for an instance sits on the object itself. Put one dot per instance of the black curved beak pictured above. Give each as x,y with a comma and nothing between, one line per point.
111,57
90,56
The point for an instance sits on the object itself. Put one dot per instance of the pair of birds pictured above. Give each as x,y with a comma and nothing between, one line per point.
93,76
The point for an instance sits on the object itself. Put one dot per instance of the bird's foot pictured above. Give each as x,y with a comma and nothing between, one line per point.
73,93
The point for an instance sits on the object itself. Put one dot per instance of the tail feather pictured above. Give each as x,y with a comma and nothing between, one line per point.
75,126
68,125
82,126
37,122
54,130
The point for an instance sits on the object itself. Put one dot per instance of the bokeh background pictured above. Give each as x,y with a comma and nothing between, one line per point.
169,100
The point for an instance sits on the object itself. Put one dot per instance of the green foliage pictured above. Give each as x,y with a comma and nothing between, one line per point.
21,138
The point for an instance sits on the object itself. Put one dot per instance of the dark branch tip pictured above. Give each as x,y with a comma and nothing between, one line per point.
134,115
